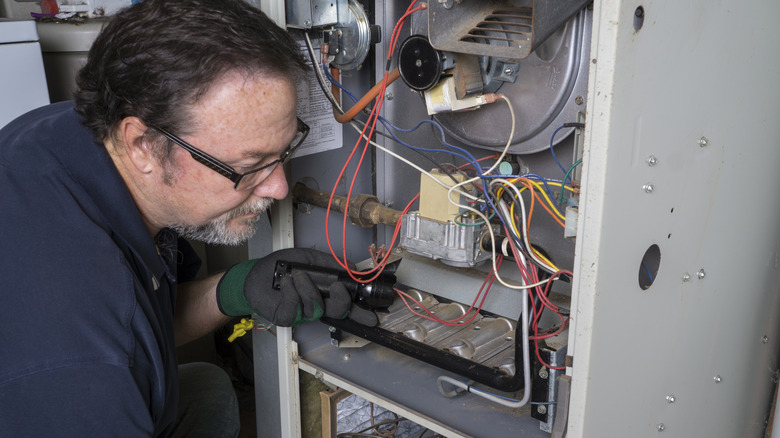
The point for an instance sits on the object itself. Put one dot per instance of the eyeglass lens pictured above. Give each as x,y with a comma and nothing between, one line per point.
254,179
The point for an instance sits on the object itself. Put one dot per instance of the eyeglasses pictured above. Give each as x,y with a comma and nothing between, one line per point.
242,181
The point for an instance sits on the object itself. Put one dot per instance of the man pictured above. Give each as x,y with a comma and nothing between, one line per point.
185,110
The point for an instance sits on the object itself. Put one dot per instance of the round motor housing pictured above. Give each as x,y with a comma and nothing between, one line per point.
419,63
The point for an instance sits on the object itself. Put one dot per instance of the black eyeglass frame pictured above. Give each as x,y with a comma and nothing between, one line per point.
227,171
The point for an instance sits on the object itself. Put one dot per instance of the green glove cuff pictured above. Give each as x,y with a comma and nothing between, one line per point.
230,290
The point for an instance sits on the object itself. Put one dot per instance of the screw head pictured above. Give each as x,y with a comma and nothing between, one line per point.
508,70
703,142
543,373
542,409
318,375
346,357
765,339
670,398
389,96
700,275
661,427
652,161
579,100
648,188
686,277
717,379
307,23
332,329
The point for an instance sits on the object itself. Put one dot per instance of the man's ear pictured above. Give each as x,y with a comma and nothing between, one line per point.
131,131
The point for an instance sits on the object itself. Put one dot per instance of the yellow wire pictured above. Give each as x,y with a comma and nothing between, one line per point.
514,227
539,188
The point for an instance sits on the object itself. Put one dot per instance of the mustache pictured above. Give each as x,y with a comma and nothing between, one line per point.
257,206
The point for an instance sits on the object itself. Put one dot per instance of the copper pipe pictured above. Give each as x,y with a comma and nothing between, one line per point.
363,210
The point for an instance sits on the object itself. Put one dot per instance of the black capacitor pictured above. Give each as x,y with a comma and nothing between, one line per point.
419,63
378,294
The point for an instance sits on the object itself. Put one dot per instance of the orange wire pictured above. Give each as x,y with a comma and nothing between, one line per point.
367,98
374,115
541,201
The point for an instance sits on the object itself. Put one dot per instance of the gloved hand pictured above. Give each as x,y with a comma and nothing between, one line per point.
247,288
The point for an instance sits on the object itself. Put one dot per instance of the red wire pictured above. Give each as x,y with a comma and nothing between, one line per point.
373,117
534,278
451,322
535,326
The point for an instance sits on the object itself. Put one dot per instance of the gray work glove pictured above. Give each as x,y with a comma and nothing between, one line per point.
246,288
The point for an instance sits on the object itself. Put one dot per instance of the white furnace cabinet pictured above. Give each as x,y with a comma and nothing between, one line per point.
681,155
679,181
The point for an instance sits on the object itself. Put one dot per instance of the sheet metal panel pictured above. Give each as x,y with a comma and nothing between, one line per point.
695,88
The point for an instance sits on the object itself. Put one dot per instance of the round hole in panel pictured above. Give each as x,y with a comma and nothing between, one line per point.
648,268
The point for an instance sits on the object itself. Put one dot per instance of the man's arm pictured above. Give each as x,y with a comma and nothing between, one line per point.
197,312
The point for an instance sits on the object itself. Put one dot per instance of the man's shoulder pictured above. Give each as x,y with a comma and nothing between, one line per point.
35,142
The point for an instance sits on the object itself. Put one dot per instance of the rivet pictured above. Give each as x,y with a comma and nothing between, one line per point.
648,188
765,339
652,161
717,379
389,96
686,277
700,274
703,142
661,427
346,357
318,375
670,398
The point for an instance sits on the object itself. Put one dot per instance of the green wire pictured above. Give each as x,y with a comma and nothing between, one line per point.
565,177
470,225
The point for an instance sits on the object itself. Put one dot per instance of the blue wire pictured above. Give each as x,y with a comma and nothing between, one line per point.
388,125
466,156
553,152
547,188
334,81
648,272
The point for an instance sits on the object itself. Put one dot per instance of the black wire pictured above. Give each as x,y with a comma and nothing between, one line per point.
366,111
316,65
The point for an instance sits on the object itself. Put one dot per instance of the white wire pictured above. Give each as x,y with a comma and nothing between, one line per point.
416,167
504,211
484,218
324,83
320,75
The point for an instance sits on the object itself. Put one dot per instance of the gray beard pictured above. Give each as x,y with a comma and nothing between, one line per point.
216,232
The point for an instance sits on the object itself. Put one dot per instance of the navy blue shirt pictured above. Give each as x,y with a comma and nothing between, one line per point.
86,301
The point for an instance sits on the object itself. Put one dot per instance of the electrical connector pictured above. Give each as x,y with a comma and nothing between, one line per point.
442,98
